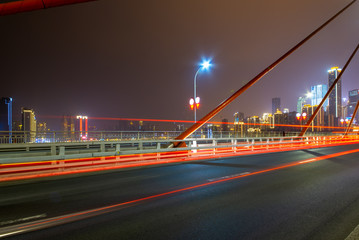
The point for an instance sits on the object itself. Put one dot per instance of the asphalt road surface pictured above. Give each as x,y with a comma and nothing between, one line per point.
231,198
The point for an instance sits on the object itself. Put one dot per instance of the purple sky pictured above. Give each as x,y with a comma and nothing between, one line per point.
137,59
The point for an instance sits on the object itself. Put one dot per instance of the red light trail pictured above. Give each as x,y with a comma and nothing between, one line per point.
30,170
102,210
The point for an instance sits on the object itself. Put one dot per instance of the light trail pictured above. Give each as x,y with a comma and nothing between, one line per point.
59,167
40,224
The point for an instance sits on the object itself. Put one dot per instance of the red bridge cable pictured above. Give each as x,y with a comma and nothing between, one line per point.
305,128
226,102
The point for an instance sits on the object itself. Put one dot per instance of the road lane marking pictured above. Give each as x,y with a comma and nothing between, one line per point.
229,176
8,222
11,233
309,160
354,235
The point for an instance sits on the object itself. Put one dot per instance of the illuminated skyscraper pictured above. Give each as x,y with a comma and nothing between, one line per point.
300,104
354,96
353,100
29,124
335,97
6,114
318,92
275,105
68,123
6,117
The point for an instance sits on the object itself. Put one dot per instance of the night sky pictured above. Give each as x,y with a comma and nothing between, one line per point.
137,59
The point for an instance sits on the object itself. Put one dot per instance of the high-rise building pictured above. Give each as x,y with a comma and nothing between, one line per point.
6,114
353,100
275,105
6,118
317,94
267,121
354,96
238,117
238,124
280,119
225,127
68,127
335,97
29,124
301,102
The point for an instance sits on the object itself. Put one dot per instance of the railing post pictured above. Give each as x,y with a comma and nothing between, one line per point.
234,143
53,150
102,147
118,148
214,144
62,151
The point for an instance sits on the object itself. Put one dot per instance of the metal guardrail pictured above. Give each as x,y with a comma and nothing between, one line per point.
197,149
76,136
10,153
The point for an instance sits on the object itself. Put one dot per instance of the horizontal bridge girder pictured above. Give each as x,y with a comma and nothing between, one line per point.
8,7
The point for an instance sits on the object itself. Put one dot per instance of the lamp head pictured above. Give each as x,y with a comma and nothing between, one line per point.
206,64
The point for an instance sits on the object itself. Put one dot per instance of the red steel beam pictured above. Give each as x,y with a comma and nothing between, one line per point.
305,128
16,6
226,102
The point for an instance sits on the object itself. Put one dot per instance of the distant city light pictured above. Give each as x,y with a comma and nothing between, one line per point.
309,94
333,69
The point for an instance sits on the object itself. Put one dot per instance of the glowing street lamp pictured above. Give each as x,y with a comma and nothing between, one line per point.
301,117
205,65
191,103
197,102
298,116
304,115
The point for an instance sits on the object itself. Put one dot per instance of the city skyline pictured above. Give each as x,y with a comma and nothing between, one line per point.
312,98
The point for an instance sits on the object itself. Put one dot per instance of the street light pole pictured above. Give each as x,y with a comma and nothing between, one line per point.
203,66
195,93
